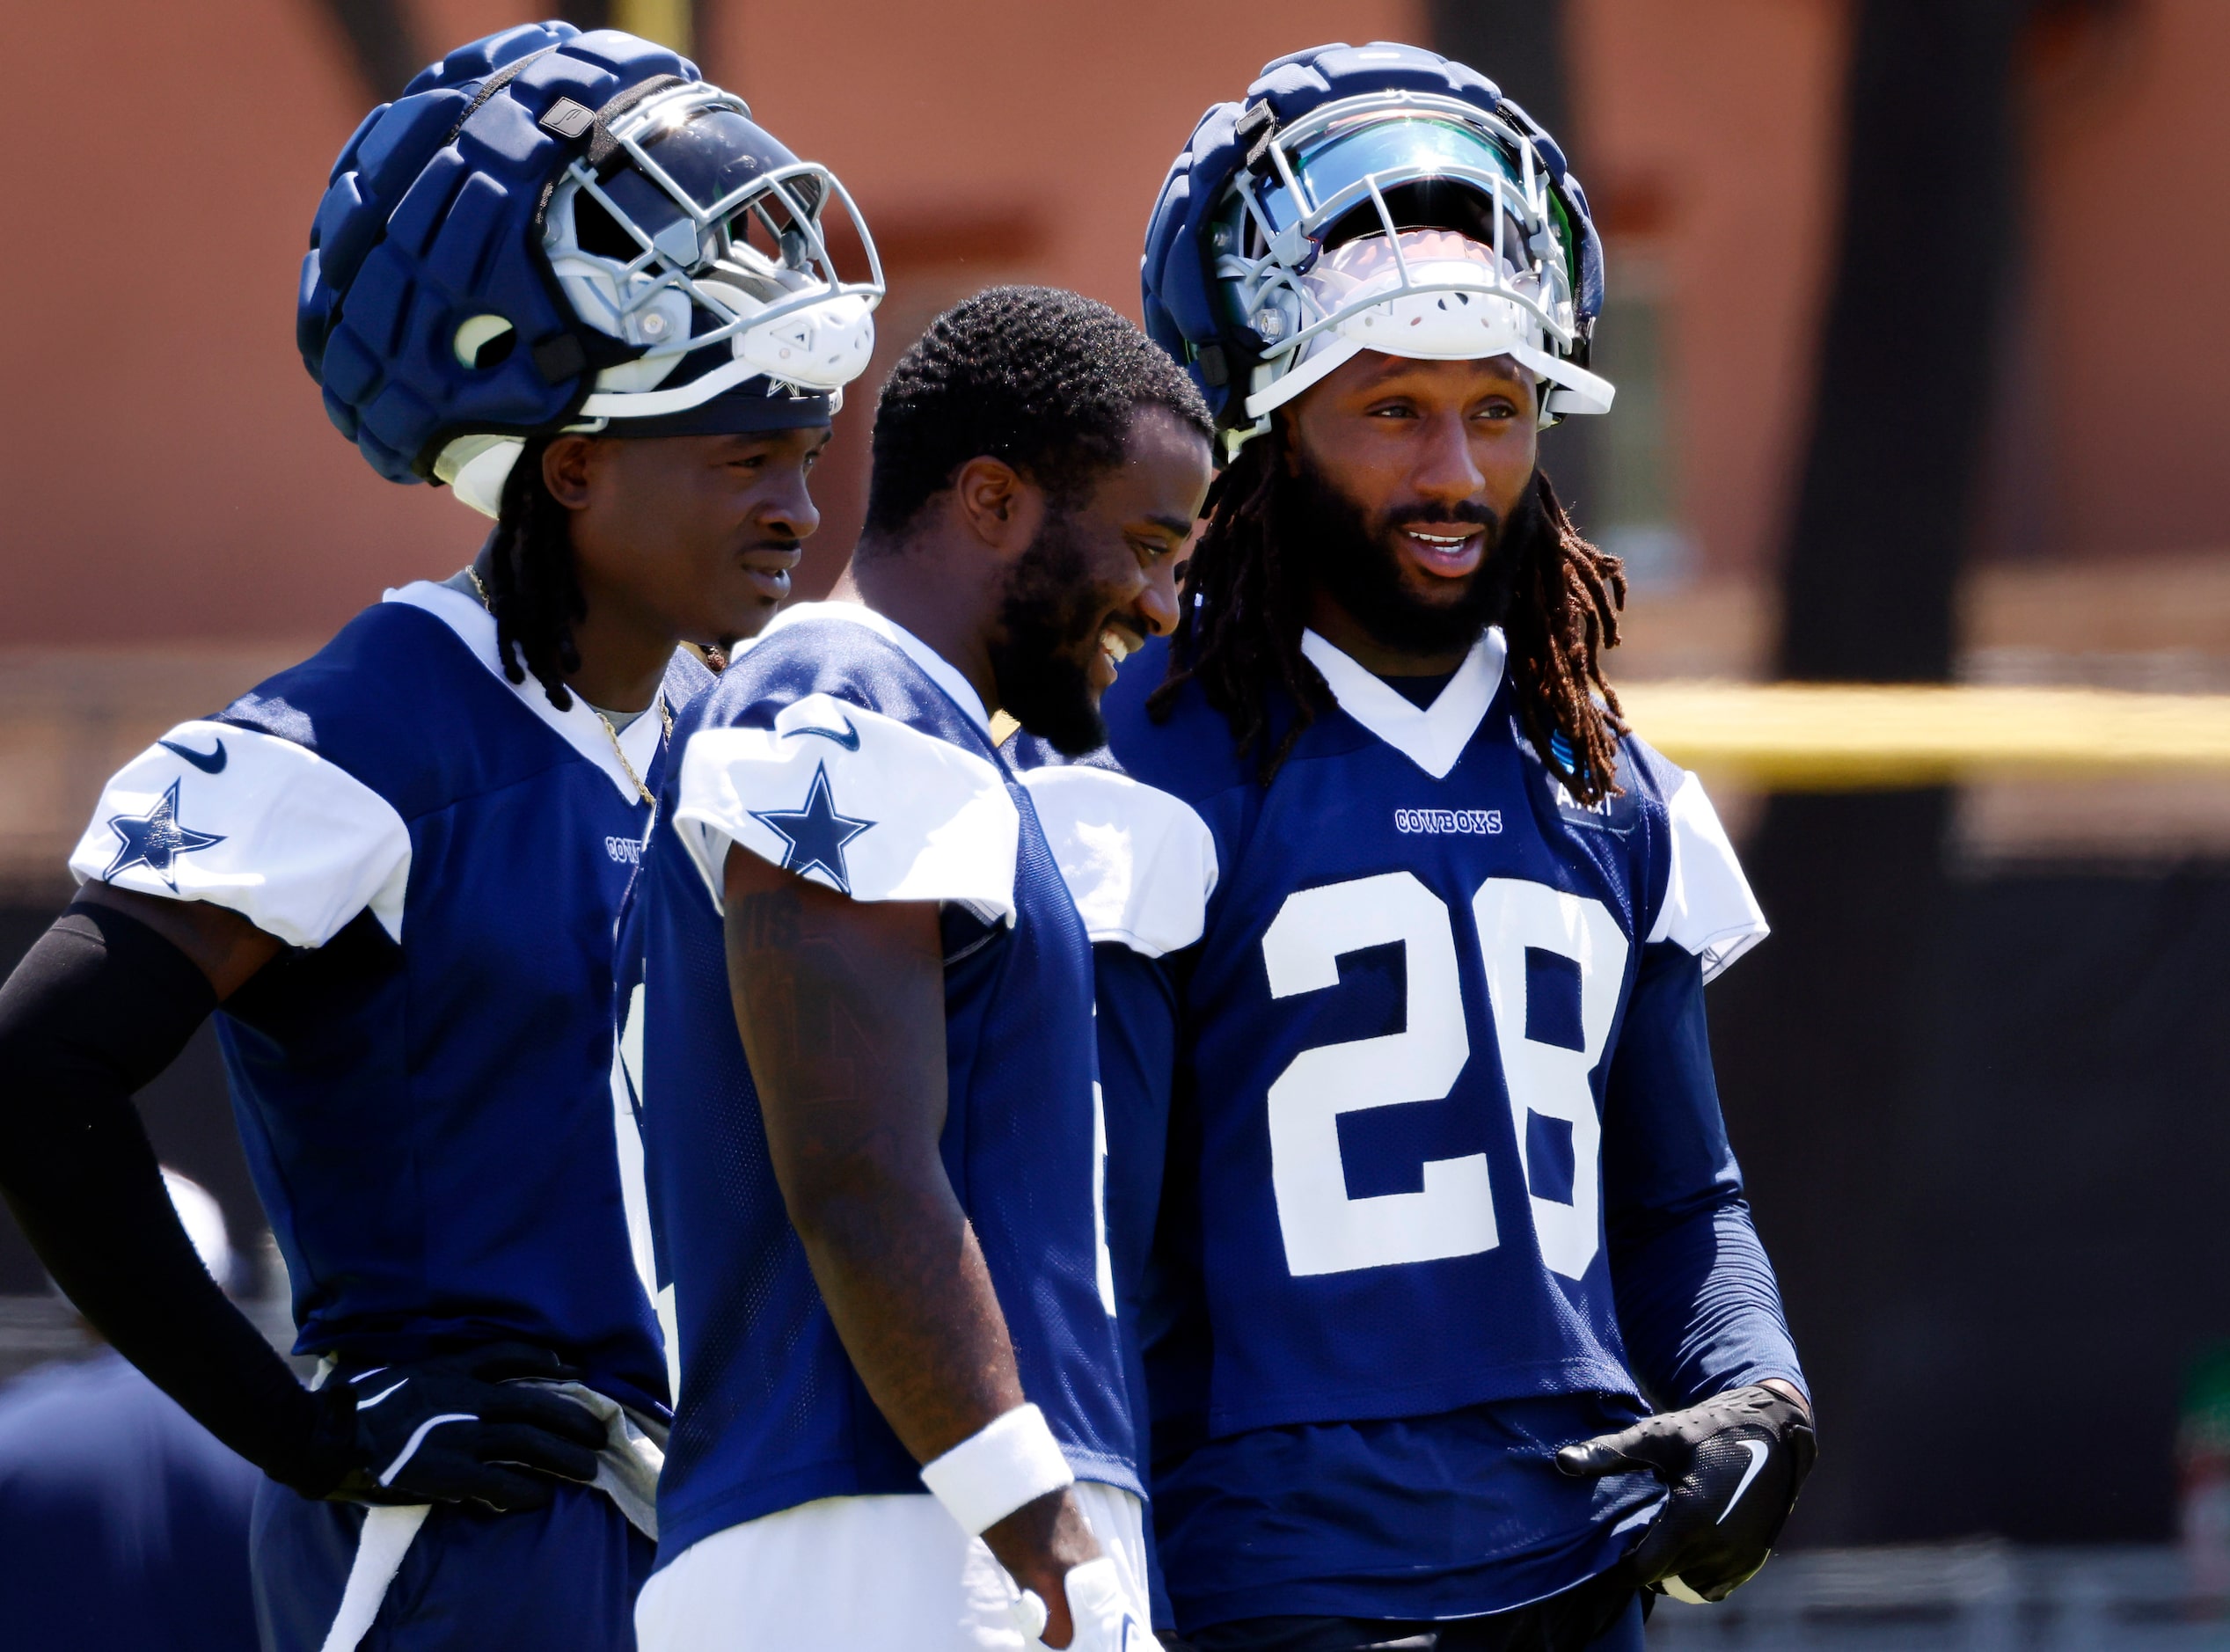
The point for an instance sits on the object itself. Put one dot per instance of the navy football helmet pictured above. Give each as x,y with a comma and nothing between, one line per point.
1377,197
552,231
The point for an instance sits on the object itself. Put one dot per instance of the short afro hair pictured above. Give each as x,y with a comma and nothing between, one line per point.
1046,380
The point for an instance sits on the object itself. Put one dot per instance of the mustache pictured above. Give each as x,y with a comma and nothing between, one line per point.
1350,553
1471,513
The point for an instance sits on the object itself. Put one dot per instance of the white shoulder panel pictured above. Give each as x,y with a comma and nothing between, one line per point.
1139,863
1707,908
294,843
855,800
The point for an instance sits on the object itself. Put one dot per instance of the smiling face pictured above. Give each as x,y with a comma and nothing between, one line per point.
1096,581
1407,476
695,535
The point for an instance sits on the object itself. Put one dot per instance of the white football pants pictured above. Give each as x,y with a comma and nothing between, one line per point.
859,1575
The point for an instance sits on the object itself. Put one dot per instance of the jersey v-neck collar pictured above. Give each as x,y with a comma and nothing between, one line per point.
940,670
1432,736
579,727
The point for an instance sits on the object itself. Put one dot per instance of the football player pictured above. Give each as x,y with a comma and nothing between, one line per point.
566,275
1479,1341
860,1028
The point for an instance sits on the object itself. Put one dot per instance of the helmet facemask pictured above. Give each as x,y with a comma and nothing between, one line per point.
700,230
701,246
1408,222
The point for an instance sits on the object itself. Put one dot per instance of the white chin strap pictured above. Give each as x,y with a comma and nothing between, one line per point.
475,468
1441,326
1441,303
823,345
1571,389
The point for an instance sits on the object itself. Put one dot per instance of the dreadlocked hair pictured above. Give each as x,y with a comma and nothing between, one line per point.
532,591
1239,628
1563,616
1239,632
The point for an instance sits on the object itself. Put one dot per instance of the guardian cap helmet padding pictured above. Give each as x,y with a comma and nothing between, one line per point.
1377,197
551,229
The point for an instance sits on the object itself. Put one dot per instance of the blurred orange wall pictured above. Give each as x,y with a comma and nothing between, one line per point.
2125,404
168,474
1710,130
168,471
1708,142
1063,115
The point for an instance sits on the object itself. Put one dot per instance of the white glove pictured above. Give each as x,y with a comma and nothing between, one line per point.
1106,1618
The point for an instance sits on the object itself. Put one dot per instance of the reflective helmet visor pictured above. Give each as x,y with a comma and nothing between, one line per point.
1406,146
716,160
1432,171
714,154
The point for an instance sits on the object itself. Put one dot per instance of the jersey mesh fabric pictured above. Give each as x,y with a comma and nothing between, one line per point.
772,1413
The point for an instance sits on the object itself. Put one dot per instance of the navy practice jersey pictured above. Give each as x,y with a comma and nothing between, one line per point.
1402,1085
1140,865
842,748
423,1080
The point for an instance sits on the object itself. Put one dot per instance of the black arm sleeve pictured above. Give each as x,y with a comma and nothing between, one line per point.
98,1007
1698,1303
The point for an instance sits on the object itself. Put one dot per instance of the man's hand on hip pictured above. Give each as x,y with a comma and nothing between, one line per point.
466,1427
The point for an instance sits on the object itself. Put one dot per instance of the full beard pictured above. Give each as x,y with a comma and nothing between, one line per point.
1355,561
1048,625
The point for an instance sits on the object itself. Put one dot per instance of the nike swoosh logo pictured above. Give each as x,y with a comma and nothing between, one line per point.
848,737
366,1404
206,762
1758,1451
411,1445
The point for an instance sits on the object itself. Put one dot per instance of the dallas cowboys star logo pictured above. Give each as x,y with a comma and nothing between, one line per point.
155,839
813,837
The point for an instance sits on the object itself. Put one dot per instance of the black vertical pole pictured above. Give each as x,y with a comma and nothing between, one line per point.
383,48
1908,353
1820,1032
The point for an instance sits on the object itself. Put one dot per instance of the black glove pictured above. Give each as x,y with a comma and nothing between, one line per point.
463,1428
1734,1465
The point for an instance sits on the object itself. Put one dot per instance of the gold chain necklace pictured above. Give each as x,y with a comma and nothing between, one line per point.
665,717
666,722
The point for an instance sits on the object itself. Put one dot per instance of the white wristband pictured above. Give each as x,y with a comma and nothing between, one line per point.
1011,1460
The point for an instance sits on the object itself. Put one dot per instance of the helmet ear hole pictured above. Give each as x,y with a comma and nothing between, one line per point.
484,341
